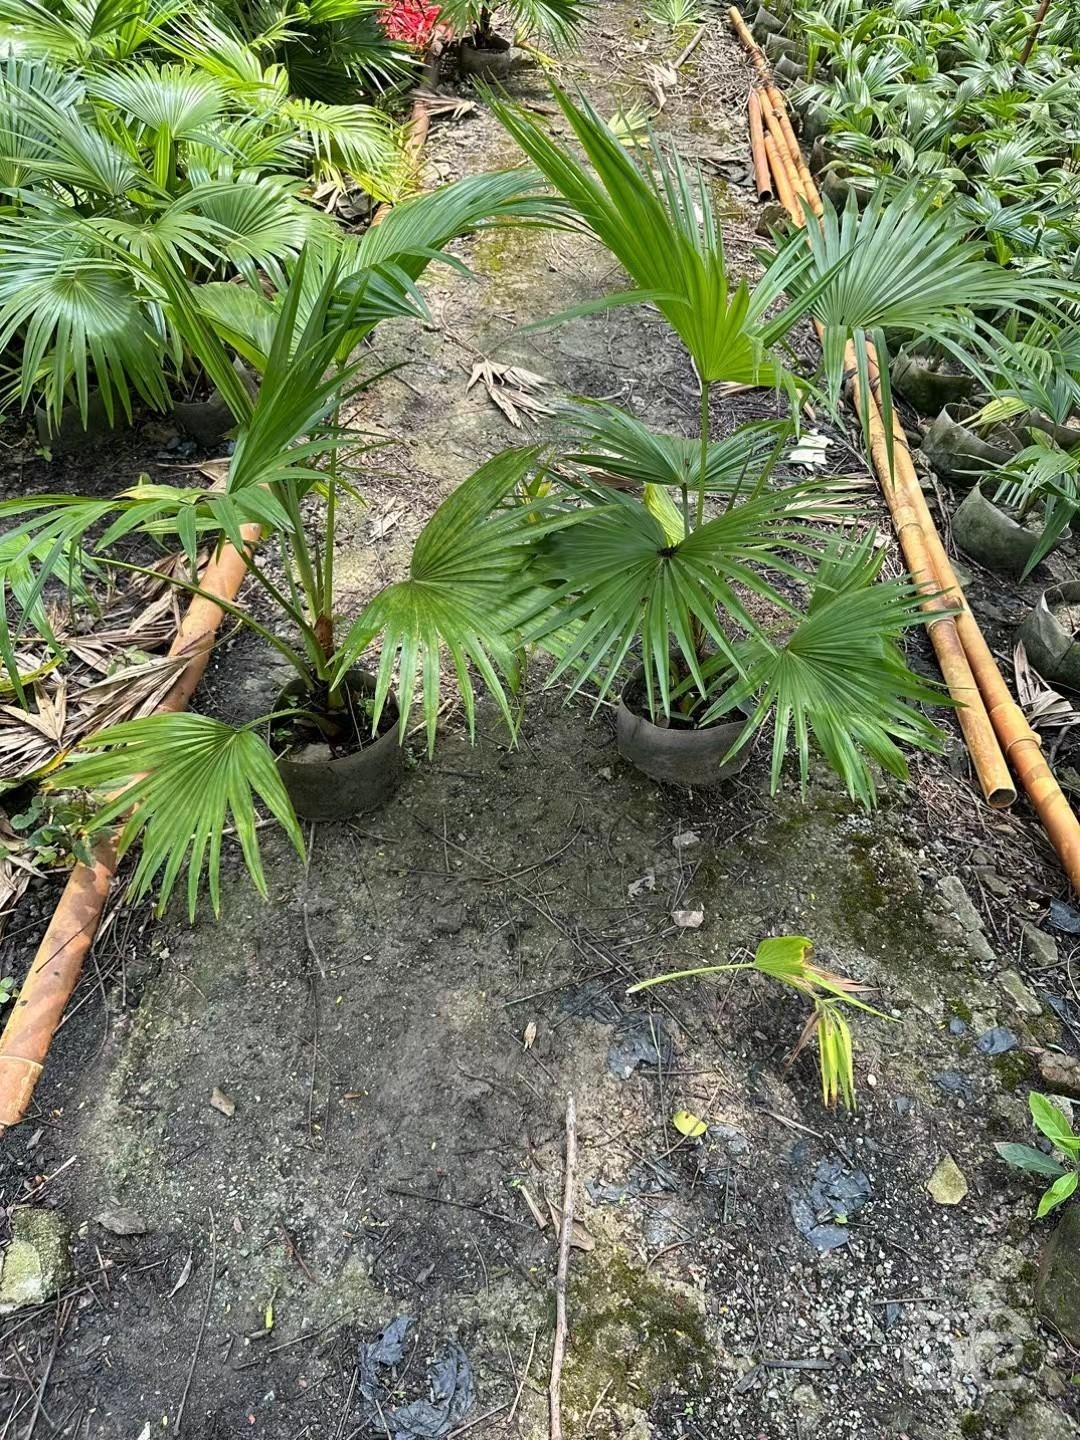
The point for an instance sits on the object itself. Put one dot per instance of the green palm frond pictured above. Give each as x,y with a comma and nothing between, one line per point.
178,99
559,21
81,31
616,574
465,596
839,679
79,314
661,228
609,440
185,779
357,139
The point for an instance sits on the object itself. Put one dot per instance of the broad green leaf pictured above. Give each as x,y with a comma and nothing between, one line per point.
1026,1157
1058,1193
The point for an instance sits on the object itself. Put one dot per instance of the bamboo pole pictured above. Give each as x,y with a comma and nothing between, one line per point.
776,100
762,176
57,965
750,45
1020,743
785,193
783,149
941,625
913,533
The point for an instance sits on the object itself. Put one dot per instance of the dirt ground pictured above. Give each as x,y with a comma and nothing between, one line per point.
398,1030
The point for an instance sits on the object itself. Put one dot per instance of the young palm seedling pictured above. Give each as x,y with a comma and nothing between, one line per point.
787,960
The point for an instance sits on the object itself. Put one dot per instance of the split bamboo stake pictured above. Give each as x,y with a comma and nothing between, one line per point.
762,177
56,967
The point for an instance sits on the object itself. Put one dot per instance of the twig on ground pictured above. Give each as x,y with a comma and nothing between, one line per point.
202,1327
39,1399
694,43
523,1381
561,1273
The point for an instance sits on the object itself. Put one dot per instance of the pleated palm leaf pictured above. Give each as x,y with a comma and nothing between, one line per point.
558,21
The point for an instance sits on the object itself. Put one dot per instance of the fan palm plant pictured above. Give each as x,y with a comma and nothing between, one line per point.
111,161
704,571
559,21
463,597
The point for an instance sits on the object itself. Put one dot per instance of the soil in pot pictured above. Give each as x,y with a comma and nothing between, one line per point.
677,753
331,764
992,537
1050,635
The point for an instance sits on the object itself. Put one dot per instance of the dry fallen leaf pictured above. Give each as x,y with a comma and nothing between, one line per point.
225,1103
947,1185
647,882
512,388
580,1238
529,1038
182,1278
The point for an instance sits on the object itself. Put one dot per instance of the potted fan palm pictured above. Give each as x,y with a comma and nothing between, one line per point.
699,571
482,50
332,744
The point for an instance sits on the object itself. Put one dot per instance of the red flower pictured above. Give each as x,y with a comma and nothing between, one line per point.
412,21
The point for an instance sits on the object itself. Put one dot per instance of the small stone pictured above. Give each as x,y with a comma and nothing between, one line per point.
1060,1073
688,919
998,1041
1057,1290
1018,992
37,1263
955,901
1039,1421
957,1026
684,839
947,1185
981,857
449,920
1038,947
997,886
123,1222
225,1103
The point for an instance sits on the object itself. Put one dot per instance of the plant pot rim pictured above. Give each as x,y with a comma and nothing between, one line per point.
339,787
693,757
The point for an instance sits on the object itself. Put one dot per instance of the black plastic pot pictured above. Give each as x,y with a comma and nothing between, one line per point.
1049,636
928,389
322,787
491,61
67,433
991,536
765,22
778,46
788,70
674,756
958,454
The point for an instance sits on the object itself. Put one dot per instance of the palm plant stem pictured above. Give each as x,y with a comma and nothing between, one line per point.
190,588
704,470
